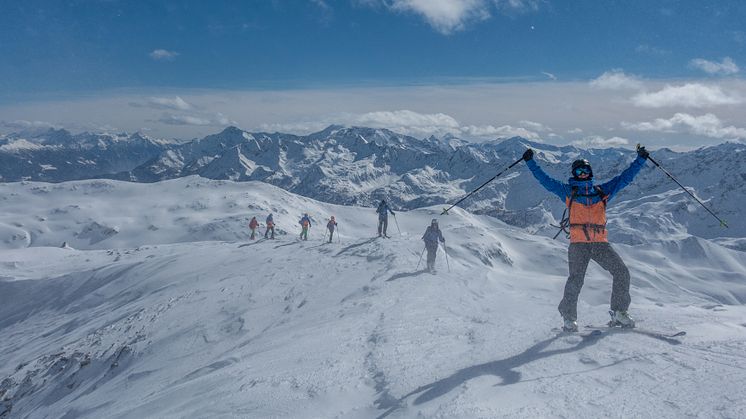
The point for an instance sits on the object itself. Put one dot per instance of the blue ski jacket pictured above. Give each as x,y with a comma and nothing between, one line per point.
432,236
586,187
383,210
305,219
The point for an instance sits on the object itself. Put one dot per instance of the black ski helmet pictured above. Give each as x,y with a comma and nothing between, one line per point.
581,163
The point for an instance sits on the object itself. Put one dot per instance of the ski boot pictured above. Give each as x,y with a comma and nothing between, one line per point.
570,325
621,319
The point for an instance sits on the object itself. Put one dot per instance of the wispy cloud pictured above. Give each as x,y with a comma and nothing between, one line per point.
651,50
726,67
183,120
448,16
596,141
549,75
616,80
532,125
327,13
739,37
690,95
707,125
163,55
24,125
176,103
322,4
216,120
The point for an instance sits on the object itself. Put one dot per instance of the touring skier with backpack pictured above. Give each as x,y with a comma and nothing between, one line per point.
270,222
305,223
331,225
253,224
431,237
586,208
383,217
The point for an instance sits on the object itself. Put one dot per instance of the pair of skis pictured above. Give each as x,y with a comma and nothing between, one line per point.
593,330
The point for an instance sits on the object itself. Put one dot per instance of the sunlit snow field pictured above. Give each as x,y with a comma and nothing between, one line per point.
160,306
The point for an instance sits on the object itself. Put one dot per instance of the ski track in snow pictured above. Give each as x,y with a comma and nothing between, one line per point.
173,312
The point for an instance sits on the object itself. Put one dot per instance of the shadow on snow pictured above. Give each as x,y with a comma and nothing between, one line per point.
504,368
406,274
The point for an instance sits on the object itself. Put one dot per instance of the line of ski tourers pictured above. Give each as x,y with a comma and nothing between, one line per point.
432,235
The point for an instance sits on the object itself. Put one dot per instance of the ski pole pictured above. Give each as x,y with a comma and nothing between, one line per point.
446,252
722,222
397,225
445,211
418,262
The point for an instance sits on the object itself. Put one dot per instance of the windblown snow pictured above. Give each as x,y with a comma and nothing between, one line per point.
158,305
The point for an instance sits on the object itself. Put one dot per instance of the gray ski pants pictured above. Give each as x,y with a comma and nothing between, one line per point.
432,251
383,224
579,254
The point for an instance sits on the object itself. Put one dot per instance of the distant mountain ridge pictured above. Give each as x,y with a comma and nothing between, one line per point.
360,166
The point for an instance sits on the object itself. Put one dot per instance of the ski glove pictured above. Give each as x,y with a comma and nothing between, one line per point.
642,152
528,155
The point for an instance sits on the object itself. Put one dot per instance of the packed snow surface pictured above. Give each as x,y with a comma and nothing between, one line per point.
159,305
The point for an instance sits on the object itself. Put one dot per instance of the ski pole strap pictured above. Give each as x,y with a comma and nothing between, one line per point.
722,222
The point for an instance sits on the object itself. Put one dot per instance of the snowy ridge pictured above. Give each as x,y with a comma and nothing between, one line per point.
177,314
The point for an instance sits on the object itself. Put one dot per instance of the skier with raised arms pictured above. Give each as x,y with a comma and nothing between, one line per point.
586,205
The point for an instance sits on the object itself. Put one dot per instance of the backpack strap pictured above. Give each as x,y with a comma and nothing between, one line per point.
565,222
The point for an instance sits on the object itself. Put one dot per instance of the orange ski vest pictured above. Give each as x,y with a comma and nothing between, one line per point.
587,222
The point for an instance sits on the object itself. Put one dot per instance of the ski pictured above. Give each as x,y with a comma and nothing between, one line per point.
652,333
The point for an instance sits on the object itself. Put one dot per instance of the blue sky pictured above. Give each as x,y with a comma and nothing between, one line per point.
667,71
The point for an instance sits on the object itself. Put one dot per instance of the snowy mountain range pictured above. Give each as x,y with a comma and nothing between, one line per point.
158,305
360,166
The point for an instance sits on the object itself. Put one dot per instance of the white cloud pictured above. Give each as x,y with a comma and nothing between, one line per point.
448,16
536,126
217,120
707,125
690,95
321,3
726,67
616,80
596,141
420,125
183,120
163,55
22,124
445,16
489,109
503,131
549,75
405,120
575,131
175,103
651,50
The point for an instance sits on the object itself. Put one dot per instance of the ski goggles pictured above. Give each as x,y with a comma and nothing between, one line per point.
582,170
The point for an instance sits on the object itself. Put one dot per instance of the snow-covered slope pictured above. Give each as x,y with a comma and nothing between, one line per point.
174,313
